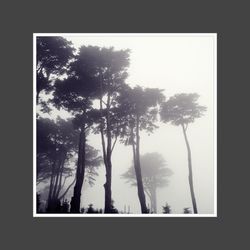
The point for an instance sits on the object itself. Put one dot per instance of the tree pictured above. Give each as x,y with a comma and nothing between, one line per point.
68,95
154,175
138,111
166,209
56,144
183,109
75,94
92,161
186,210
109,68
53,55
90,209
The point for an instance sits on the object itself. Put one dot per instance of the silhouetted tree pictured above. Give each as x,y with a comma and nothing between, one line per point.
65,207
92,161
53,55
138,111
56,142
75,94
90,209
109,68
183,109
166,209
113,209
186,210
154,175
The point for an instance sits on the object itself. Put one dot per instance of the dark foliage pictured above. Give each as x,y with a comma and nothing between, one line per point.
166,209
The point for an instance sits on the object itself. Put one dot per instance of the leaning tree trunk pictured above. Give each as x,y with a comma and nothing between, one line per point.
66,191
58,173
138,174
190,177
76,198
60,176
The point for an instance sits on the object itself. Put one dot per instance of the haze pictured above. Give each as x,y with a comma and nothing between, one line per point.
177,64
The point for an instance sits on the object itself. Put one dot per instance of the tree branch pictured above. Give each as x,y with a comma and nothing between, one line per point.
104,103
114,144
66,191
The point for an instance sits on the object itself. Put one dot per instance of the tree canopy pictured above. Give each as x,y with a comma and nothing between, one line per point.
154,171
155,175
53,55
182,109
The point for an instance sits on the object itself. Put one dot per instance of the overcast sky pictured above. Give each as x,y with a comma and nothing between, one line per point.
177,64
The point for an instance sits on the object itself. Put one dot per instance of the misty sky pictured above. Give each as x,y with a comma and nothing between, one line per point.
177,64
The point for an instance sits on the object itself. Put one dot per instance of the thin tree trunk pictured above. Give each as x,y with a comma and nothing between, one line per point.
150,198
60,184
60,176
68,188
51,187
76,199
106,153
57,179
154,200
138,174
107,185
190,177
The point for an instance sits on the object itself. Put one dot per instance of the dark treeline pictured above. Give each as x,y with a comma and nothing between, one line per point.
90,84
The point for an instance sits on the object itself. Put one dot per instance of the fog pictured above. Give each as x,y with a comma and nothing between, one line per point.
177,64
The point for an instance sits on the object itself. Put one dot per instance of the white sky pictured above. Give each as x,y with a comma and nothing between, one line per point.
178,64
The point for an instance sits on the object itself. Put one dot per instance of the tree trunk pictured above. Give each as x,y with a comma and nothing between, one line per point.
106,151
60,176
148,193
68,188
76,199
154,200
138,174
58,171
190,177
51,187
107,185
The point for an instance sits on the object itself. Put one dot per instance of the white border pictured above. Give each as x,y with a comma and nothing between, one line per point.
214,35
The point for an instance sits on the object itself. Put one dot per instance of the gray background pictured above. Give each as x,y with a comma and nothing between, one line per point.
19,20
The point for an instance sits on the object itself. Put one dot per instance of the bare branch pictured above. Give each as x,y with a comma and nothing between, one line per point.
66,191
114,144
104,103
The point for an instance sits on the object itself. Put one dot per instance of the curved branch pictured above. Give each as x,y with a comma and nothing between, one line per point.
66,191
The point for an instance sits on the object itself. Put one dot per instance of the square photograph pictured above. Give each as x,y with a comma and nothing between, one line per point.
125,125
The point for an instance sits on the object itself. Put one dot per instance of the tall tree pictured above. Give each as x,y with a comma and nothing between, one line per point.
138,109
74,95
53,55
183,109
154,175
109,67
